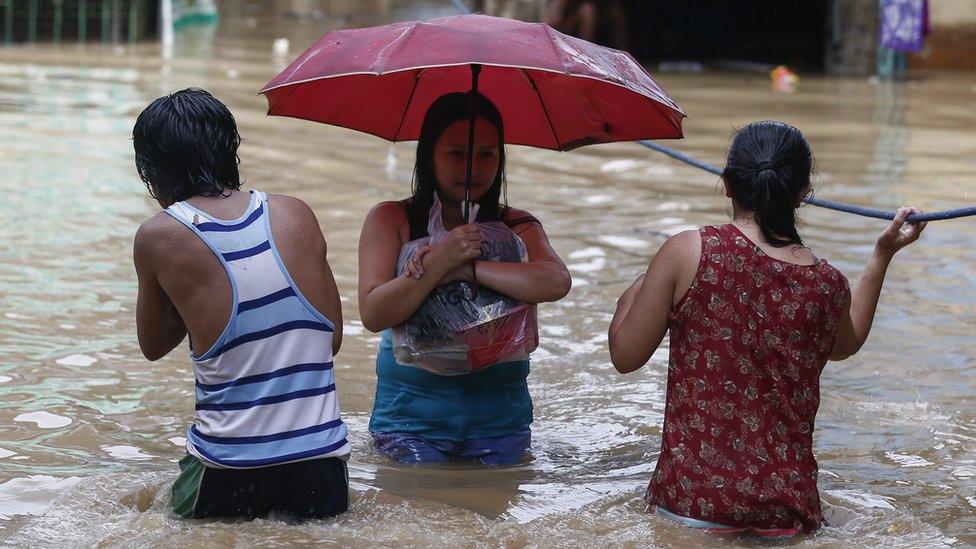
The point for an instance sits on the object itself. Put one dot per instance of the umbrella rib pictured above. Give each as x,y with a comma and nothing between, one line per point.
280,101
552,129
406,108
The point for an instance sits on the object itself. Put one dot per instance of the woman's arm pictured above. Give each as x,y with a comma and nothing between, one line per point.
641,318
861,305
543,279
385,299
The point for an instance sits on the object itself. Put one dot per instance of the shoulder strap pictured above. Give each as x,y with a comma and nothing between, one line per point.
184,213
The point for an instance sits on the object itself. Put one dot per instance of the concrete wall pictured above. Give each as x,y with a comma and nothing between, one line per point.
952,12
952,44
852,37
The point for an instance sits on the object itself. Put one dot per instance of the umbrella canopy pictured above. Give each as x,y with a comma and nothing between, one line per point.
554,91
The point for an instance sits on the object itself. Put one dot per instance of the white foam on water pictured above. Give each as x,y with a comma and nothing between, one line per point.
4,453
44,420
595,264
598,199
15,315
122,451
658,169
555,330
4,379
908,412
77,360
971,500
670,220
391,162
178,441
908,460
662,353
672,207
541,354
587,253
67,326
32,495
619,166
102,382
964,472
862,499
539,500
624,241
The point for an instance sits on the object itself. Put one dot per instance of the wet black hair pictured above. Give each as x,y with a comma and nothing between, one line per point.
768,168
444,111
186,145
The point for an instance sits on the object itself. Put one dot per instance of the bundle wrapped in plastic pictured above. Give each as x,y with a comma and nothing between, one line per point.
459,328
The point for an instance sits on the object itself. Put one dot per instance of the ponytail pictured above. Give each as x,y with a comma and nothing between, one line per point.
769,165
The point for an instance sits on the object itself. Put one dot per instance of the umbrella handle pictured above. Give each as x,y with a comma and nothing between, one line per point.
475,71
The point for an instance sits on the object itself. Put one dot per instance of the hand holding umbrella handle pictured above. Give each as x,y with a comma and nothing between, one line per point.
475,71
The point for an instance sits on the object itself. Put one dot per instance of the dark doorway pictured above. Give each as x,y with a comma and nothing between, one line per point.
788,32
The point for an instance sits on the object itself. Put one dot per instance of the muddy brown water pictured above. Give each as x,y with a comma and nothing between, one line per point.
91,431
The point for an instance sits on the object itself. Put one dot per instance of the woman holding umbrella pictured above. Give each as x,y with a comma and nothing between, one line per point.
419,416
421,80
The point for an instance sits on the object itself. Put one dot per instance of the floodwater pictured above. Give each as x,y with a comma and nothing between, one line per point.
91,431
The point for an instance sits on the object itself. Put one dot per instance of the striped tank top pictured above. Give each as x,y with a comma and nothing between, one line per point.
265,390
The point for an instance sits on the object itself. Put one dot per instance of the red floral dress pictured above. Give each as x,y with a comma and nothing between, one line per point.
748,342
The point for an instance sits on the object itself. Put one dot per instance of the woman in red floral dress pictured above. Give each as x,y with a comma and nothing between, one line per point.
753,317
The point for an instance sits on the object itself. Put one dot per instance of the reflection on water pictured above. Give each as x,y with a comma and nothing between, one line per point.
92,432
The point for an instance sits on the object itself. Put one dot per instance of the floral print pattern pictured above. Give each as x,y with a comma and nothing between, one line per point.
748,342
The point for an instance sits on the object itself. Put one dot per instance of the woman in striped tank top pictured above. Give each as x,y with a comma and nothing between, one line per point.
485,415
246,276
753,318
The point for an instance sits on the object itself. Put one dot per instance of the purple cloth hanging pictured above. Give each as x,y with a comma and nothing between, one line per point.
904,24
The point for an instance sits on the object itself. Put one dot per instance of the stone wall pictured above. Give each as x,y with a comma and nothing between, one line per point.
952,44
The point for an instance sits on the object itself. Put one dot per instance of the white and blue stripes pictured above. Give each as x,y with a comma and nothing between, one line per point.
265,390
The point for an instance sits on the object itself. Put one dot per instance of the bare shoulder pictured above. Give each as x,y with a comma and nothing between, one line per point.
389,215
685,241
682,249
389,209
155,236
515,214
522,220
156,230
294,208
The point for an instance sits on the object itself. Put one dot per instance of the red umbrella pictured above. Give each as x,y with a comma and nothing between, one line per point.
554,91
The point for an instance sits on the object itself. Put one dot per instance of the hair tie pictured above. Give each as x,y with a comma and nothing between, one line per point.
764,165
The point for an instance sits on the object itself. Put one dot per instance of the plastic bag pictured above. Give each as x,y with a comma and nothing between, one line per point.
457,329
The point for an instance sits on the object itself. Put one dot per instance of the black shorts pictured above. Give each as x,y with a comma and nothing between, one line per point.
316,488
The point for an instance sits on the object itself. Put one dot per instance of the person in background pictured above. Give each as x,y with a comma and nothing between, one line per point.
598,21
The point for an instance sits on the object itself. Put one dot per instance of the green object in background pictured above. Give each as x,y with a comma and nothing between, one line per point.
194,12
8,26
58,15
32,21
82,20
134,21
106,18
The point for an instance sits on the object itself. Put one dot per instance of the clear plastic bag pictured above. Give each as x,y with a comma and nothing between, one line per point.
458,329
